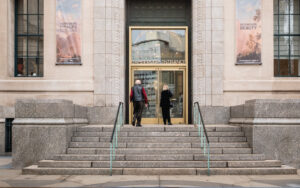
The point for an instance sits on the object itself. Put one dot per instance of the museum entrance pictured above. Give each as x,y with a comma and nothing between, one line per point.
158,57
158,35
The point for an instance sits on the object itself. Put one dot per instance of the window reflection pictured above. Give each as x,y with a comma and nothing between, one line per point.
158,46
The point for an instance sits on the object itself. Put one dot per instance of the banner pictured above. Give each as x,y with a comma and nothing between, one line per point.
248,31
68,23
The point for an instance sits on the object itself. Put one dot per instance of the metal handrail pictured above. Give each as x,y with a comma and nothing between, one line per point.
201,128
114,135
197,103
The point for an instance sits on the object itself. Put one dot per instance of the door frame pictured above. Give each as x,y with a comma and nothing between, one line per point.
170,67
159,119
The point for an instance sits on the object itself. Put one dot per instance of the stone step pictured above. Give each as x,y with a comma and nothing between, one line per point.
157,157
146,151
230,157
173,139
158,134
130,164
161,128
35,170
154,144
252,164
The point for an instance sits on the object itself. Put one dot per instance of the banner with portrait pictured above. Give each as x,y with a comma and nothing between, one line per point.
68,24
248,32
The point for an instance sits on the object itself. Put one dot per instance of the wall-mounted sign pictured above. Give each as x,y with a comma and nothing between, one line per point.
68,23
248,32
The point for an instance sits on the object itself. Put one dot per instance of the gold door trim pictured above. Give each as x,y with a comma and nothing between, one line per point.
160,67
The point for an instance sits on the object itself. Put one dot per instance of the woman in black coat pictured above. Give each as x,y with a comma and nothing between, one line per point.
165,104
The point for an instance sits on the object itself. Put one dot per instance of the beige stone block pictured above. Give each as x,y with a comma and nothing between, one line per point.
218,59
217,36
108,36
115,100
108,59
218,25
108,100
217,3
108,47
108,24
208,71
218,71
99,47
115,48
208,89
217,47
217,12
99,35
99,12
208,100
107,3
217,87
208,46
207,3
116,14
201,71
99,24
108,71
99,100
116,36
99,3
108,13
217,100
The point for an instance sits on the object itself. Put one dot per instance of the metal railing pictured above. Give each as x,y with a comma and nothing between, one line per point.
119,122
204,141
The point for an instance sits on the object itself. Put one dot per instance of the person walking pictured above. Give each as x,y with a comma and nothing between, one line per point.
165,104
139,98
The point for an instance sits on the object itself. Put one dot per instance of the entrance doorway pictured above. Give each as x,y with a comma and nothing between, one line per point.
158,56
154,30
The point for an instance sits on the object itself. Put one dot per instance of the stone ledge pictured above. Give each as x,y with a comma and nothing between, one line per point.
266,121
2,120
49,121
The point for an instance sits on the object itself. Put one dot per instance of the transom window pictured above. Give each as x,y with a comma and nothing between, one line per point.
29,29
287,38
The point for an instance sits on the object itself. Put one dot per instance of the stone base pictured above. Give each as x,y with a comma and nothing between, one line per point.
32,143
280,142
215,114
102,115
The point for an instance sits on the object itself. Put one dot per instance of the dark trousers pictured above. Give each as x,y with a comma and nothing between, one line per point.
138,107
166,114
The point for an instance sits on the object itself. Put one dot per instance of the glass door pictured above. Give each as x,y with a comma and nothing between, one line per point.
153,82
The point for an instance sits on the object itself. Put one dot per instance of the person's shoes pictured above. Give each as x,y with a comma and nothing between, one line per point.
139,125
170,123
133,123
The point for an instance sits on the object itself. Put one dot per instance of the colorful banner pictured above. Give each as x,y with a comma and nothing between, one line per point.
68,23
248,31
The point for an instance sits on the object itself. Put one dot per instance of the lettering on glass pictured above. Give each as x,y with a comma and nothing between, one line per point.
248,32
158,46
68,41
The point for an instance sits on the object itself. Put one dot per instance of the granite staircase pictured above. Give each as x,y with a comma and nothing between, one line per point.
159,150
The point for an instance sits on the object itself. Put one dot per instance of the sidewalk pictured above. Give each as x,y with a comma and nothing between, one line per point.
13,178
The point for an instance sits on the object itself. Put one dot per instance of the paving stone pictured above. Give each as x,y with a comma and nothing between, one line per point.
65,164
76,157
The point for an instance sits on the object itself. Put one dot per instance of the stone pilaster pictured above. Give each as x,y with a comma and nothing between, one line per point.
208,52
109,58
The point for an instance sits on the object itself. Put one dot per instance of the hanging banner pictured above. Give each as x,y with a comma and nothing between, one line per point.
68,22
248,31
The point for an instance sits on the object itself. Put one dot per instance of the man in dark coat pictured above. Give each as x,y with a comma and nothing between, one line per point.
139,98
